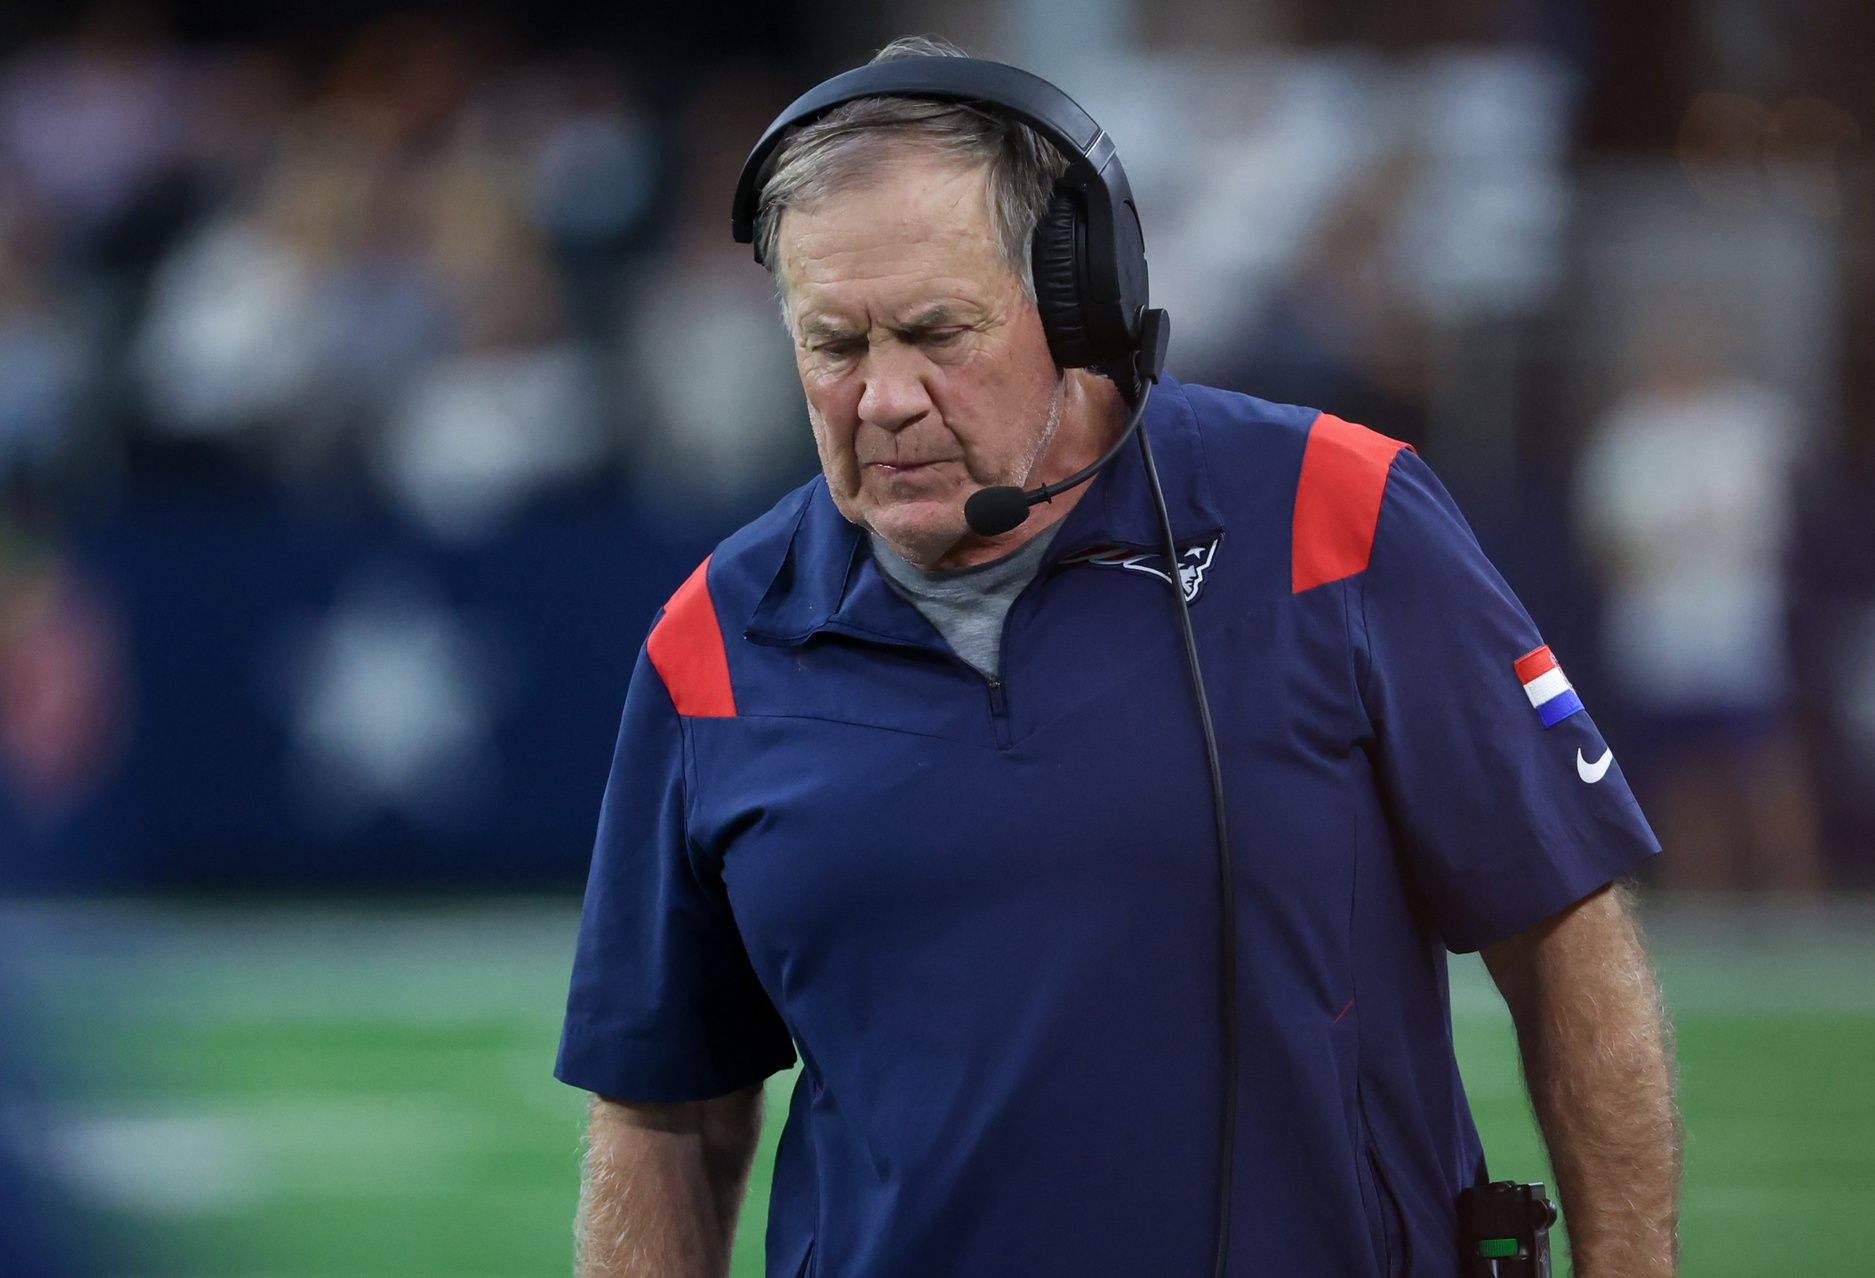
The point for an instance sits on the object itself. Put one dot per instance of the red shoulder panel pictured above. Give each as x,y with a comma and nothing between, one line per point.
1344,476
686,647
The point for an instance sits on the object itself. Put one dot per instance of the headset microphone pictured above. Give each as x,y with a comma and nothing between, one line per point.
990,512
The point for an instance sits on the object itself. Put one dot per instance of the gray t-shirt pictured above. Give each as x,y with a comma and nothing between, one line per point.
967,605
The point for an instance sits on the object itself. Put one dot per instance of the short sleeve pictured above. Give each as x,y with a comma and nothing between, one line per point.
664,1005
1508,801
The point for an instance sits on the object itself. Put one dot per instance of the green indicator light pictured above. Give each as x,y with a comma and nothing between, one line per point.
1495,1247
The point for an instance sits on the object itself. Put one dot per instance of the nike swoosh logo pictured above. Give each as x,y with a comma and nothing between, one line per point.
1593,772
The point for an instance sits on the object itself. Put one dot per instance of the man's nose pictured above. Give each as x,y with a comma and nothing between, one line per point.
895,394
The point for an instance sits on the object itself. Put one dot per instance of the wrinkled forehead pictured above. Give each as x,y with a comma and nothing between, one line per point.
919,215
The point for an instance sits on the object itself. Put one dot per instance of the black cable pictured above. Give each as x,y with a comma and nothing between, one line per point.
1227,912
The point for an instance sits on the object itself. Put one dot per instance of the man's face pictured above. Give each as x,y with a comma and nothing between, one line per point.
926,370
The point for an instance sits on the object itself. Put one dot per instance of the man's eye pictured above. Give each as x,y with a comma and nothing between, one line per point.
940,336
844,348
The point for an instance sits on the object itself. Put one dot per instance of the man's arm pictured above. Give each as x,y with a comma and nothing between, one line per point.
663,1185
1597,1058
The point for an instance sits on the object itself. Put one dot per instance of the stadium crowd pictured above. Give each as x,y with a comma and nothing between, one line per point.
420,266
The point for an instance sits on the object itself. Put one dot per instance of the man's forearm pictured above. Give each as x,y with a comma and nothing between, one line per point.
663,1185
1597,1057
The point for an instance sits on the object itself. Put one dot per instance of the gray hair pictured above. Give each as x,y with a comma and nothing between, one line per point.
854,140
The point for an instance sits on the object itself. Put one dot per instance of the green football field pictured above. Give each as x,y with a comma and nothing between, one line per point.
358,1091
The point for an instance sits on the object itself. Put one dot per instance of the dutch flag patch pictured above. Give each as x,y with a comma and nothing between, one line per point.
1546,686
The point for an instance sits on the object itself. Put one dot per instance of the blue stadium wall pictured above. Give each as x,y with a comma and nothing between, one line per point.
248,653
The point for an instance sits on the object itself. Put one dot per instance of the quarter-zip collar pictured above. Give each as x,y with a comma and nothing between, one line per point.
828,581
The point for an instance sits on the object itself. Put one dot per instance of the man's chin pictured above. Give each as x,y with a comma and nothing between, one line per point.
922,541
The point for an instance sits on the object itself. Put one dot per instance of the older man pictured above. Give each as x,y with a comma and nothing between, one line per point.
930,806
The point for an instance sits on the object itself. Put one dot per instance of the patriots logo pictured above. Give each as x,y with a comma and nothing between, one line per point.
1193,563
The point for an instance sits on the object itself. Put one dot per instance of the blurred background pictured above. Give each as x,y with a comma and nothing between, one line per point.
369,376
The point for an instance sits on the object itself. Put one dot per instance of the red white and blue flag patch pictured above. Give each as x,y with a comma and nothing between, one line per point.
1547,687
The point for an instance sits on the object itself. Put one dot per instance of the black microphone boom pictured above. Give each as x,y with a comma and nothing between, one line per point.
991,512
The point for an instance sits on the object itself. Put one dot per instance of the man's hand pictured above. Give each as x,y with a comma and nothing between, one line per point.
663,1185
1597,1058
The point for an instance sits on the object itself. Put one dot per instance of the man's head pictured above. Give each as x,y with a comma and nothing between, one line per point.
898,231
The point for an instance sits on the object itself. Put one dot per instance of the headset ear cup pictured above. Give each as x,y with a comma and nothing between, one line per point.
1055,258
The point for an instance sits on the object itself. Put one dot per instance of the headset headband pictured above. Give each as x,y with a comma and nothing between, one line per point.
1005,89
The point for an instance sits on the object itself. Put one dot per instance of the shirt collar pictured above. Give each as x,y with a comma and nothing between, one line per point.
828,581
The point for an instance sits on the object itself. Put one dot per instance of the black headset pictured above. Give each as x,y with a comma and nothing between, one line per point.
1088,256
